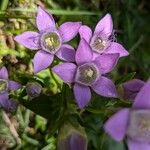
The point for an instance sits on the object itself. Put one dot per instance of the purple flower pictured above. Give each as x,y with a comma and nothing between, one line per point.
133,123
6,86
50,40
101,40
88,73
131,88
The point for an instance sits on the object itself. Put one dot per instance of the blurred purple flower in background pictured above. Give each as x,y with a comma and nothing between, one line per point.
101,40
131,88
133,123
88,73
7,85
50,40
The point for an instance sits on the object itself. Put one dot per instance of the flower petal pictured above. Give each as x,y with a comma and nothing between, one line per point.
83,53
105,25
69,30
4,100
42,60
105,87
142,100
131,88
85,33
117,48
82,95
117,125
65,71
28,39
106,62
14,85
44,20
66,53
134,145
3,73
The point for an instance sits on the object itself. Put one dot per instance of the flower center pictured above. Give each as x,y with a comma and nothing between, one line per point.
99,43
139,125
3,85
50,42
87,74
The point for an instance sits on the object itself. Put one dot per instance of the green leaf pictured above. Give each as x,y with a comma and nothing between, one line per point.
109,144
57,12
44,105
125,78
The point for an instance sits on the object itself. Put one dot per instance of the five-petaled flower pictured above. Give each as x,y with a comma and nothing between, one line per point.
88,73
133,123
6,86
50,40
101,40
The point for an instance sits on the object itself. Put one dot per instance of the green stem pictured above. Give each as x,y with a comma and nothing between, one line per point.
4,5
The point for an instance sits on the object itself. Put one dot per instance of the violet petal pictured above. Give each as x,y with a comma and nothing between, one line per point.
131,88
69,30
65,71
83,53
3,73
4,100
42,60
85,33
106,62
44,20
117,125
117,48
105,25
82,95
13,85
29,39
105,87
133,145
142,100
66,53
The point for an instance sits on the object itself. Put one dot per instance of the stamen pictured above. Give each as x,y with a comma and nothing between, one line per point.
139,125
99,44
87,74
50,42
144,125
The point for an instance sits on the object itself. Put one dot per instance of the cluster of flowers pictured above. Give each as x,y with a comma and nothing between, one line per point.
86,68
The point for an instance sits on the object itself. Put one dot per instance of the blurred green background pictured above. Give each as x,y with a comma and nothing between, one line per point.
131,23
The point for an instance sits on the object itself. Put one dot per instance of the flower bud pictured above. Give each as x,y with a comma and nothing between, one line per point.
71,138
130,89
33,89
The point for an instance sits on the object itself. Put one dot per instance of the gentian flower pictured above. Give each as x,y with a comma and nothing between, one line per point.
101,40
133,123
7,85
49,41
131,88
88,73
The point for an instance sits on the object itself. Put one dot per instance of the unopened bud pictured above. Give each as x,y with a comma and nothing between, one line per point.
71,138
33,89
